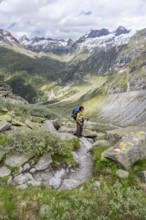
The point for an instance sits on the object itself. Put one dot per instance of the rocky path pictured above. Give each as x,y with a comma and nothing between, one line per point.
84,171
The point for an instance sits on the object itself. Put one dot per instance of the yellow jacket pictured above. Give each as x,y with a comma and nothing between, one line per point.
80,117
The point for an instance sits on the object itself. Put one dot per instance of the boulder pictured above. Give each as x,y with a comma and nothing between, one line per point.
67,130
57,124
48,126
4,126
66,136
130,148
4,171
100,136
23,178
16,160
43,162
60,174
122,173
102,143
89,133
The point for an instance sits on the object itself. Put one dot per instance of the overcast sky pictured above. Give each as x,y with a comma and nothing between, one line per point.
69,18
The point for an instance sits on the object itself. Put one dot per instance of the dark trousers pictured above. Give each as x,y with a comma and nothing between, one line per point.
79,130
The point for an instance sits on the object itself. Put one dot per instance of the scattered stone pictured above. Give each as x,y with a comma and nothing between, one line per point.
43,162
4,126
44,209
16,160
102,143
48,126
97,183
55,182
33,182
122,173
4,171
37,119
142,175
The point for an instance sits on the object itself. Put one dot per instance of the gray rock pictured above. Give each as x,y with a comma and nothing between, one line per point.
48,126
100,136
66,136
32,170
102,143
2,155
76,157
64,129
43,175
9,180
26,167
57,124
131,148
60,174
4,171
70,184
16,160
43,162
4,126
122,173
23,186
44,209
89,133
142,175
55,182
34,182
23,178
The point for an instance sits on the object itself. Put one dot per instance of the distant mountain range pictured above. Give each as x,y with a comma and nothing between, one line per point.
102,38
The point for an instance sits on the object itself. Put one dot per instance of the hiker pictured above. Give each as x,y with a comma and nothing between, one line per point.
80,122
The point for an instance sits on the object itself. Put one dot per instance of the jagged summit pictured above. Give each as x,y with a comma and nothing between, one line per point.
121,30
6,38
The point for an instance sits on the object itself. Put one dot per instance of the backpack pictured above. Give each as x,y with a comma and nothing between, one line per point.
75,112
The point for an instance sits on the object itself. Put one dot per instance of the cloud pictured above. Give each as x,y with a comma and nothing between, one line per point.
69,19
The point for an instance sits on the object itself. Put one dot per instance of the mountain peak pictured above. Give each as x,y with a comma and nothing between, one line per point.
98,33
121,30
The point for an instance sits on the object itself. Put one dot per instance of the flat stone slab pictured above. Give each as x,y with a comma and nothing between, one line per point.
4,171
66,136
43,162
16,160
130,148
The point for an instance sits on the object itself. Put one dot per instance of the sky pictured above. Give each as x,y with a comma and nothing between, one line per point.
69,18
